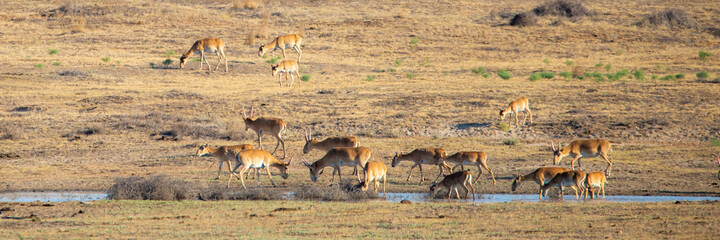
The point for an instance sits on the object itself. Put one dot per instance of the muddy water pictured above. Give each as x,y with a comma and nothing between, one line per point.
391,197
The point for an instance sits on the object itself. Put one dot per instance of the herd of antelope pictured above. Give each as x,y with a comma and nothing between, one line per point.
346,150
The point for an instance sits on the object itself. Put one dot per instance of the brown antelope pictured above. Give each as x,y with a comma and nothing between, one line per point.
374,171
420,156
519,105
582,149
328,143
221,154
593,180
287,67
212,45
336,157
471,158
452,181
573,179
257,158
718,160
541,176
292,40
274,126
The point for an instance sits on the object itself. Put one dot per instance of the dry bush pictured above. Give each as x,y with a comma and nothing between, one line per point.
347,193
152,188
250,40
78,25
11,133
671,18
566,8
578,71
524,20
247,4
219,192
263,28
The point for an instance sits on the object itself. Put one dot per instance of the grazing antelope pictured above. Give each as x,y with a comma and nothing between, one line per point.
221,154
420,156
573,179
583,149
257,158
374,171
541,176
336,157
328,143
519,105
718,160
471,158
212,45
292,40
593,180
288,67
274,126
452,181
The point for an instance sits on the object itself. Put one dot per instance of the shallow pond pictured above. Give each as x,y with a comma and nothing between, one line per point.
51,196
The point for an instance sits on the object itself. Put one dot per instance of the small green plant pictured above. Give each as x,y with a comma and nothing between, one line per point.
702,75
371,77
478,70
503,126
167,62
305,78
413,42
546,61
566,74
569,63
704,55
680,75
639,74
169,53
197,59
654,77
53,51
273,60
398,62
619,52
715,142
39,66
548,75
597,76
117,62
391,70
410,75
511,141
599,65
534,77
425,62
618,75
608,67
152,65
504,74
56,64
669,77
485,74
106,59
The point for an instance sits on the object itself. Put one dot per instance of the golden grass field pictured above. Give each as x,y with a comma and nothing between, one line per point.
81,105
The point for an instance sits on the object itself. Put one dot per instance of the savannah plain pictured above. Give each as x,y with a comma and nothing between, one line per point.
85,98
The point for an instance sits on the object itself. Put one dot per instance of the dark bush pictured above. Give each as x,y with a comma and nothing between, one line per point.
564,8
152,188
221,193
349,192
671,18
524,20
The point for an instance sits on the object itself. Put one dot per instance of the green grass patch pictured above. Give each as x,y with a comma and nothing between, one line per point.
702,75
511,141
534,77
547,75
105,59
608,67
305,78
569,63
597,76
391,70
504,74
566,74
410,75
39,66
371,77
503,126
167,62
598,65
398,62
485,74
274,60
680,75
546,61
53,51
478,70
715,142
169,53
639,74
197,59
56,64
669,77
704,55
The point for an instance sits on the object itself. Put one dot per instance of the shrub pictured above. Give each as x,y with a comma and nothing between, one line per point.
654,77
715,142
371,77
548,75
534,77
510,141
618,75
702,75
478,70
305,78
598,77
563,8
504,74
410,75
597,65
39,66
503,126
398,62
105,59
57,64
524,20
485,74
152,65
169,53
669,77
608,67
680,75
639,74
704,55
53,51
566,74
671,18
167,62
346,193
569,63
274,60
154,188
391,70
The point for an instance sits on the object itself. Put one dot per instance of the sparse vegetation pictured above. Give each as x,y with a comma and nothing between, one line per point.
478,70
670,18
169,53
305,78
534,77
413,43
510,141
391,70
639,74
398,62
53,51
503,126
56,64
548,75
702,75
154,188
504,74
371,77
524,20
715,142
167,62
410,75
38,65
106,59
566,75
274,60
703,55
569,63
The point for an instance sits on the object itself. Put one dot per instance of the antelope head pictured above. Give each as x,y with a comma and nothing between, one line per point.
203,151
502,115
308,141
284,169
313,170
183,60
275,69
261,51
556,152
396,159
516,182
248,119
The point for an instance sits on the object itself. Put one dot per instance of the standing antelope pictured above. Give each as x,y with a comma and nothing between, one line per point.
573,179
519,105
452,181
221,154
288,67
336,157
274,126
257,158
471,158
212,45
718,160
292,40
374,171
328,143
582,149
541,176
420,156
593,180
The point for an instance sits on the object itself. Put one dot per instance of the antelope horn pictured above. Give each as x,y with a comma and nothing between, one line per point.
252,108
244,115
288,163
552,145
718,158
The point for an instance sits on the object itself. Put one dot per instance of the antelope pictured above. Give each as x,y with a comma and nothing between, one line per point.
221,154
540,176
420,156
718,160
274,126
451,182
374,171
582,149
595,179
519,105
471,158
213,45
328,143
573,179
336,157
288,67
281,42
257,158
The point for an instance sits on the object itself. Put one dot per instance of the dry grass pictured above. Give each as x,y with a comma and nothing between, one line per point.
152,188
524,20
670,18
